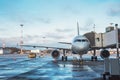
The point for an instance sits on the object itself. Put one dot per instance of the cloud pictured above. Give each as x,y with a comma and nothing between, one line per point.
49,38
9,42
32,39
44,20
30,36
54,36
114,10
64,30
3,29
72,10
26,19
89,23
15,41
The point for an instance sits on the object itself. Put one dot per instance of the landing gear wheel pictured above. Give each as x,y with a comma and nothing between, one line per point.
95,58
62,58
92,58
80,61
65,58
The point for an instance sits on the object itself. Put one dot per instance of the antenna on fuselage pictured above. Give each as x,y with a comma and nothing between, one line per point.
78,28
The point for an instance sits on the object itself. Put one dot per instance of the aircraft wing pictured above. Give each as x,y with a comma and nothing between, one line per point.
41,46
65,43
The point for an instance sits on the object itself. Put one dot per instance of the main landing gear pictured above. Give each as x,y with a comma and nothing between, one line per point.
81,60
93,58
64,58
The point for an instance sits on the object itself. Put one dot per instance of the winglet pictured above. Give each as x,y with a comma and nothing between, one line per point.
78,28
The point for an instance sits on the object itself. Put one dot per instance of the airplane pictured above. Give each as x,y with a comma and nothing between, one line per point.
80,45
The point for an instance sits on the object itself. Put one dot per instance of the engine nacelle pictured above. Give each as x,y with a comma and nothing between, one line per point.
55,54
104,54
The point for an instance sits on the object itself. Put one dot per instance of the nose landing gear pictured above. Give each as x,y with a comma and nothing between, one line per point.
64,58
81,60
93,58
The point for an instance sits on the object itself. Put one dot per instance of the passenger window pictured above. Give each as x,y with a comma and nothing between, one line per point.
83,40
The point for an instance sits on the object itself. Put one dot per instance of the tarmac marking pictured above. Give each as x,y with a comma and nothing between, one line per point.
91,70
2,77
79,69
56,76
65,65
84,71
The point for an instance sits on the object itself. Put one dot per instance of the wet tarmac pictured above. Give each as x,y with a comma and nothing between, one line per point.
44,68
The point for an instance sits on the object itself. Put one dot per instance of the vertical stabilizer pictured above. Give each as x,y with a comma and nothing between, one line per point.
78,28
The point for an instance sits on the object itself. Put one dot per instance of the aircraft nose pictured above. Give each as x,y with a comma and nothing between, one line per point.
83,47
80,47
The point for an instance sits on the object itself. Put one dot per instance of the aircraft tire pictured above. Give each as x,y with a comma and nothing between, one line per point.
92,58
65,58
62,58
95,58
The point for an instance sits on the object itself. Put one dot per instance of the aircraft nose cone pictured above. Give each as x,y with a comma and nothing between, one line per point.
78,47
82,47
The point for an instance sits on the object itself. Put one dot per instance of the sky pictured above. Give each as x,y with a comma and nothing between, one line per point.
49,21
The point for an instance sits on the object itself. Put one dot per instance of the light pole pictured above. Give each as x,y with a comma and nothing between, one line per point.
117,41
94,34
21,41
94,27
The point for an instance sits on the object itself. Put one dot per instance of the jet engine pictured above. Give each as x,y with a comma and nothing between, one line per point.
55,54
104,54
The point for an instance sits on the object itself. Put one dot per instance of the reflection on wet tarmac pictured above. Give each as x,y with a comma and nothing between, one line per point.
45,69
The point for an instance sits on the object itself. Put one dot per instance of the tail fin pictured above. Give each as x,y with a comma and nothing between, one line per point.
78,28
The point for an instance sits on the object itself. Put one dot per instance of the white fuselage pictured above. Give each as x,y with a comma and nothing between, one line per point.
80,45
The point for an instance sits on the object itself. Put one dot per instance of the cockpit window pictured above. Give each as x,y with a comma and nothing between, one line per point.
81,40
78,40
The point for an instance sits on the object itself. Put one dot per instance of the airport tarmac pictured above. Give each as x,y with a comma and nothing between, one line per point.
20,67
